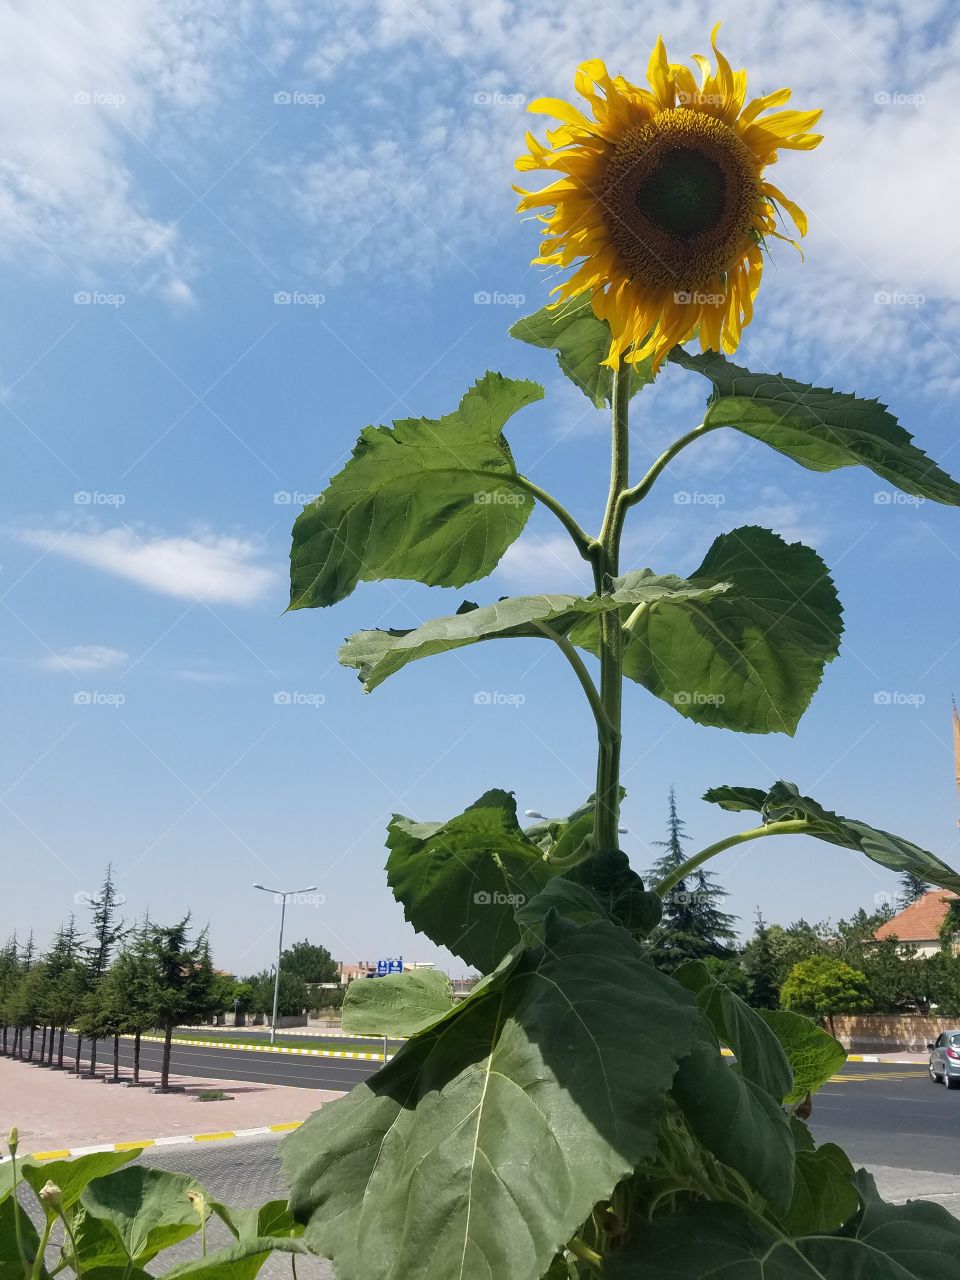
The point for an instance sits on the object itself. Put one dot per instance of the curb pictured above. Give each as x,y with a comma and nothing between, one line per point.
862,1057
178,1140
270,1048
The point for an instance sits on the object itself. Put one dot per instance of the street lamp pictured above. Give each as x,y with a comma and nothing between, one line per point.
535,813
283,895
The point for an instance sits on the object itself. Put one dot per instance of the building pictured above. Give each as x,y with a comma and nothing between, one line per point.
920,923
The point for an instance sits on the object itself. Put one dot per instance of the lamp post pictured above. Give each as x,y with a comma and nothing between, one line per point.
283,895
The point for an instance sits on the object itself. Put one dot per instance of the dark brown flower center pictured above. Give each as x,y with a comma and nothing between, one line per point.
681,199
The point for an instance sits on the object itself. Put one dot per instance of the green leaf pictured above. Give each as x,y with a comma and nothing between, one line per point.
817,427
486,1142
738,1121
379,654
398,1005
737,799
236,1262
783,803
435,501
572,901
71,1176
9,1250
915,1241
760,1057
146,1209
581,341
620,891
825,1195
461,881
748,659
813,1054
271,1219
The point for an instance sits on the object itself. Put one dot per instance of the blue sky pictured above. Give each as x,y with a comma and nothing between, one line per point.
181,168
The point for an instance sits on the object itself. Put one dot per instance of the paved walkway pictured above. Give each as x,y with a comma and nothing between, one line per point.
916,1184
54,1111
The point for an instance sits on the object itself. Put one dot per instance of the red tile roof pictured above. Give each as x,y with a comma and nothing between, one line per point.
921,921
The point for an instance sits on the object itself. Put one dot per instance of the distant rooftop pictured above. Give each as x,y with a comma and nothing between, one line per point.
921,921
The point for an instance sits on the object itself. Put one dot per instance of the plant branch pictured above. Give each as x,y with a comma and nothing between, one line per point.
630,497
793,826
604,727
584,543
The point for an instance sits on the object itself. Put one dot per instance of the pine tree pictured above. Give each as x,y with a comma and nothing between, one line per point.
761,965
181,980
66,984
694,925
106,931
912,889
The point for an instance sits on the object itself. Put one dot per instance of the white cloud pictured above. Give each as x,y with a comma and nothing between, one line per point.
538,563
83,657
203,675
218,569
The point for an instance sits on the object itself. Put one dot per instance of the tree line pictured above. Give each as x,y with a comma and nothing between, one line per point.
822,969
119,980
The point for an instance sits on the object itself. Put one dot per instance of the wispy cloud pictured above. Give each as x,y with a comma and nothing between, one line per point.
82,658
216,568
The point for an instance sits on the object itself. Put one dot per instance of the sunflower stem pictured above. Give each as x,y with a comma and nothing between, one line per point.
582,540
629,497
606,567
791,826
604,727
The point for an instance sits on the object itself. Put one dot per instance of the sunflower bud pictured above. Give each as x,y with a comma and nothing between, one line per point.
50,1195
13,1140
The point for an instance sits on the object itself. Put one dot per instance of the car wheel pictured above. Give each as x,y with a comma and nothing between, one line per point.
949,1081
934,1077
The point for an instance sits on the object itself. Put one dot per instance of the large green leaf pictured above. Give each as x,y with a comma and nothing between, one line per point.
10,1261
398,1005
707,1241
783,803
738,1121
620,891
813,1054
825,1194
749,658
760,1057
461,881
581,341
378,654
71,1176
145,1209
817,427
485,1143
436,501
572,901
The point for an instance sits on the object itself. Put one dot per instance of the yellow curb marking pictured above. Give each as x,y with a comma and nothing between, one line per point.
50,1155
134,1146
283,1128
213,1137
271,1048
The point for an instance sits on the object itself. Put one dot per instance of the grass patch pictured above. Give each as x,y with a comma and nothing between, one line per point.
213,1095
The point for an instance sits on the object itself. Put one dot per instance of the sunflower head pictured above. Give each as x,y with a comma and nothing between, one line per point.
660,206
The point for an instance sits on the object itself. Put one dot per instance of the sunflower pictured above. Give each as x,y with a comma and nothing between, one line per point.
662,207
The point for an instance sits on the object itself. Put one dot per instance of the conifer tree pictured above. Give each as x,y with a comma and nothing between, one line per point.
693,925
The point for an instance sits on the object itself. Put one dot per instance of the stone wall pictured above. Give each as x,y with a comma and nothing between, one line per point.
880,1033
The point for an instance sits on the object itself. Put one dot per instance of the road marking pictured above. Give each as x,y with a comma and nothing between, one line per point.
876,1075
177,1140
350,1054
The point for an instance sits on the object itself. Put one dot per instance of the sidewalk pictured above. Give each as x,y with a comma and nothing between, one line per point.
55,1111
916,1184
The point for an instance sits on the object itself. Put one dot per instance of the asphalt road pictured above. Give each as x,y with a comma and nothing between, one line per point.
890,1115
881,1114
235,1064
